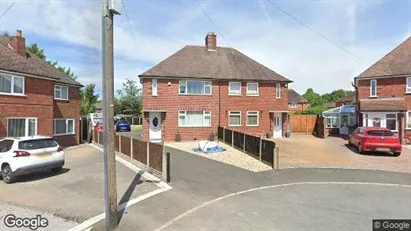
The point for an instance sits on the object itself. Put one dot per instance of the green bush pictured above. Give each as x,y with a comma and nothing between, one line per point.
311,111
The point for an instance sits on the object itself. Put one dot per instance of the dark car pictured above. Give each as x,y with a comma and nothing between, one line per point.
123,125
368,139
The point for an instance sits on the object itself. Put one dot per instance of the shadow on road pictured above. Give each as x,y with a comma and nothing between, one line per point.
380,154
38,175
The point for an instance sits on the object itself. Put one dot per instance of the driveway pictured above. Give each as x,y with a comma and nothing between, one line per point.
77,193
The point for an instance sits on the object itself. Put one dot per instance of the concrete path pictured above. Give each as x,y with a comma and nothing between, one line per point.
206,191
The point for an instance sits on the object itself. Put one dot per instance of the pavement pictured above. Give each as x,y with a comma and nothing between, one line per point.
77,193
211,195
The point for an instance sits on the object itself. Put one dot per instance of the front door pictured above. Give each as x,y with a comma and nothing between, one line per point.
155,127
278,128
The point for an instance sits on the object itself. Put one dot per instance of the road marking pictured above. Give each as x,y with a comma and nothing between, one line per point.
86,225
181,216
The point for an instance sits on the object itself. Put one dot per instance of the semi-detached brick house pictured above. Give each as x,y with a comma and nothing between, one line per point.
296,102
36,98
199,88
384,92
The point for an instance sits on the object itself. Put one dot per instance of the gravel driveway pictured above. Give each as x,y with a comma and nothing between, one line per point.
231,156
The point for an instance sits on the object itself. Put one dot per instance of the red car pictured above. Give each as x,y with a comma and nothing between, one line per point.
368,139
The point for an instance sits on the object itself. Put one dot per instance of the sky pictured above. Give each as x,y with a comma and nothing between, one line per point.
343,39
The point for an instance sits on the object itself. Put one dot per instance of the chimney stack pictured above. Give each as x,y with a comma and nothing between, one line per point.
211,41
18,43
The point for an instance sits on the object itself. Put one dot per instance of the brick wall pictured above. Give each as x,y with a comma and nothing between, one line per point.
169,100
300,107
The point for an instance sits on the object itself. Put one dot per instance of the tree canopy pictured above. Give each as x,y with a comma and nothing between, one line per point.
88,99
129,100
316,100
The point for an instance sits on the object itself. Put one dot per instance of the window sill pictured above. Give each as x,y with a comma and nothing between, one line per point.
12,94
373,97
68,134
234,125
277,97
194,126
234,95
252,125
253,95
195,94
408,93
66,100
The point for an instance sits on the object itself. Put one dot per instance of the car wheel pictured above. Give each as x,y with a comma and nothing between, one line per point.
397,153
360,149
8,177
349,142
56,170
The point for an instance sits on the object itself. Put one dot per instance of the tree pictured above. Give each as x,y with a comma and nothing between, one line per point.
36,50
335,95
314,99
130,98
6,34
88,99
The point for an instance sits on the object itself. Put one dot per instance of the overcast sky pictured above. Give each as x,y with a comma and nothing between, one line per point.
70,32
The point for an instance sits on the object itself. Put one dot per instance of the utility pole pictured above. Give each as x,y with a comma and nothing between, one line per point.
110,186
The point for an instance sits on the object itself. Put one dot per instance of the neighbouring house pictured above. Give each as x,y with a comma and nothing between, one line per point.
328,106
99,107
36,98
384,92
199,88
296,102
349,99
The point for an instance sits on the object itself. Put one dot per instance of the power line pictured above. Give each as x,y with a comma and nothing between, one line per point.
315,31
7,10
212,22
132,34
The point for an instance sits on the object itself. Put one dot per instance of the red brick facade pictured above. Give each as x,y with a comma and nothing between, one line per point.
219,103
300,107
38,102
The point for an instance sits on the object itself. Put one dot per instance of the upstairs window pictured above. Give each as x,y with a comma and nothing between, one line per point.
278,90
61,92
408,87
11,84
154,87
373,88
234,88
252,89
195,87
292,105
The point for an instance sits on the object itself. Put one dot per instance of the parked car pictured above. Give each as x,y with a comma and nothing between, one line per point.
368,139
21,156
123,125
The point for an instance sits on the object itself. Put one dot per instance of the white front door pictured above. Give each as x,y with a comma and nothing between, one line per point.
155,127
278,128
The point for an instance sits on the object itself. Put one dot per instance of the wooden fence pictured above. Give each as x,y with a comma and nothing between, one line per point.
148,156
303,123
257,147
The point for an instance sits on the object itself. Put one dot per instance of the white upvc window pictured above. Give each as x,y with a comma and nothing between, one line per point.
252,118
252,89
154,87
391,121
20,127
331,121
234,88
194,118
408,86
292,105
194,87
373,87
408,118
278,90
234,118
61,92
11,85
64,127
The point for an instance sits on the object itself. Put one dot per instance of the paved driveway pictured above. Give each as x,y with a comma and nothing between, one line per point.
77,193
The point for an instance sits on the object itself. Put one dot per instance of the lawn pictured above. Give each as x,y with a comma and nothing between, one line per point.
136,128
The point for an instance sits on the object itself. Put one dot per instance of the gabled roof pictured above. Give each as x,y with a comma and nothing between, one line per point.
349,97
33,65
329,105
395,63
224,64
294,97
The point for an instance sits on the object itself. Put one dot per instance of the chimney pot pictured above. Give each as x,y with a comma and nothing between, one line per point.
19,33
211,41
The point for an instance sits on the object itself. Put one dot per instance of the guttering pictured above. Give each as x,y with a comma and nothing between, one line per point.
28,75
211,78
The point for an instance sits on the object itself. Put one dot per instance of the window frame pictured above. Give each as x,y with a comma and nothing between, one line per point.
184,112
23,88
333,117
407,83
258,118
26,126
205,84
408,121
293,105
371,86
66,133
229,118
154,85
234,93
278,90
252,94
61,92
396,121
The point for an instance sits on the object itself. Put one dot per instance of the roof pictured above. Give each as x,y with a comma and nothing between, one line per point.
329,105
294,97
224,63
350,97
33,65
387,104
395,63
350,109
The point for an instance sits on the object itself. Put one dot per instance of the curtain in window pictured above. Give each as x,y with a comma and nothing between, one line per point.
234,119
252,119
32,127
60,126
5,84
70,126
195,87
16,128
64,93
194,118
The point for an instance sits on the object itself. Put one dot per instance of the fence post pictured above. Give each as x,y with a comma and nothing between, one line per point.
166,165
276,157
119,144
244,142
131,148
223,134
232,138
98,137
148,155
261,146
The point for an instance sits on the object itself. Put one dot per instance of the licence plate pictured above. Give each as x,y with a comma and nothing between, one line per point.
43,155
383,149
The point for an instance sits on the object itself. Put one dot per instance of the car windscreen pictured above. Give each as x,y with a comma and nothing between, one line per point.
380,133
37,144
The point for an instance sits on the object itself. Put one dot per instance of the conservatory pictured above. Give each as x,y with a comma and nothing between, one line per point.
341,120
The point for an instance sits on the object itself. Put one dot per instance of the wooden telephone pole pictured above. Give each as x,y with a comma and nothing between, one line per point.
110,186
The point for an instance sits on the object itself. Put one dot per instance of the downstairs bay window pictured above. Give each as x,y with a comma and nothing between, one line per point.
194,118
63,127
